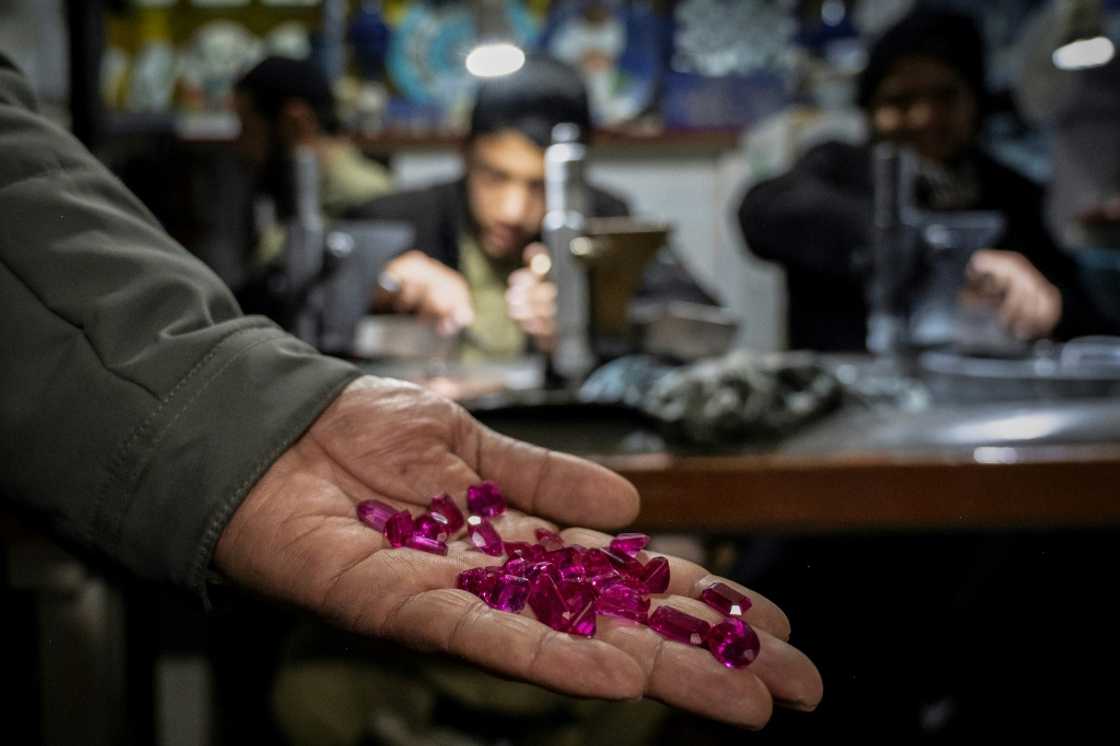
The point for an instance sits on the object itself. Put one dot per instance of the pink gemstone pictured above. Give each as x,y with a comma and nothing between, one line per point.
518,566
547,603
375,514
577,595
508,593
431,527
629,544
733,643
725,599
549,540
625,565
583,623
622,601
398,528
655,575
471,580
484,536
485,499
446,507
676,625
426,544
523,550
571,568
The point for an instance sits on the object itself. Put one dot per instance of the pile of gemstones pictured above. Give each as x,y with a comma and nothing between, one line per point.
567,586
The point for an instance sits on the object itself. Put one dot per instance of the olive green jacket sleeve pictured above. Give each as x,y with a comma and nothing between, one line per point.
137,405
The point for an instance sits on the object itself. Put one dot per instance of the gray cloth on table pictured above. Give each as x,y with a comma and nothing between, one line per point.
740,396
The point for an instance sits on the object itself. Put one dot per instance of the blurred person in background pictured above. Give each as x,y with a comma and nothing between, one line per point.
924,86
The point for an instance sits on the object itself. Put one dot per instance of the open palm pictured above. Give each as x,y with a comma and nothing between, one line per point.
296,538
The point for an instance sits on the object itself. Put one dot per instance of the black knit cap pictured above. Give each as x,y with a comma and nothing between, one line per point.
274,80
952,38
542,94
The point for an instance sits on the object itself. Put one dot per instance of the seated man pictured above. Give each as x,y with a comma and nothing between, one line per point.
285,104
474,236
923,86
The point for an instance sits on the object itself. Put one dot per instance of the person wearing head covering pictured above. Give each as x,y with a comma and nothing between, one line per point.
284,104
474,236
923,86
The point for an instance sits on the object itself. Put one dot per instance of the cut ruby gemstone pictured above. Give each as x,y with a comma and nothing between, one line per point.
471,580
676,625
431,527
576,595
375,514
509,593
523,550
733,643
443,505
598,563
547,603
398,528
628,566
622,601
725,599
549,540
583,623
655,575
518,566
484,536
426,544
629,544
485,499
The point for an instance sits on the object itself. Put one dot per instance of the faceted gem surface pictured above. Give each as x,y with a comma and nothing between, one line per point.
484,536
583,623
725,599
426,544
398,528
547,603
629,544
677,625
733,643
485,499
625,602
471,580
655,575
446,507
509,593
375,514
429,526
549,540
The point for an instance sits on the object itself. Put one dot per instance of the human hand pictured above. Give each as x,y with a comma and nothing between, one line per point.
296,538
430,289
1029,306
531,298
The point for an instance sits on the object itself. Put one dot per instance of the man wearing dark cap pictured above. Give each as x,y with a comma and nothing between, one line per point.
474,236
924,87
286,103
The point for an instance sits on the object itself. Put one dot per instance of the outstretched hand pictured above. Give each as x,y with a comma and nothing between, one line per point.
296,538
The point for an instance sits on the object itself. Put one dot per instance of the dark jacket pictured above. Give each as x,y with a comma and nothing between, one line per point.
438,214
815,221
137,405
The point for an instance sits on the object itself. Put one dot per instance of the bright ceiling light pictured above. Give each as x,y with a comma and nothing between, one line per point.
494,59
1081,54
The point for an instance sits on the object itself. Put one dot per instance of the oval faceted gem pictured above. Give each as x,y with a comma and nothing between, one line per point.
443,505
676,625
429,526
485,499
398,528
655,575
623,601
629,544
426,544
725,599
733,643
484,536
375,514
